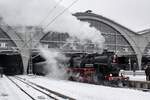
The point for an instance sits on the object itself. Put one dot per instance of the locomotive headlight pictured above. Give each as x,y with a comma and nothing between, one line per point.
110,74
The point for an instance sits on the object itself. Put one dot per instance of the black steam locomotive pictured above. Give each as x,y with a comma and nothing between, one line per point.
90,68
95,68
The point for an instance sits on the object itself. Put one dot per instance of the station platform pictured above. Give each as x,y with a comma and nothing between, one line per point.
79,91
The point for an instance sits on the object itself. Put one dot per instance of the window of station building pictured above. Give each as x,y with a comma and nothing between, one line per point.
3,45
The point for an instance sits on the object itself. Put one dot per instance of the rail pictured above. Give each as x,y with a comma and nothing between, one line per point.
21,89
48,90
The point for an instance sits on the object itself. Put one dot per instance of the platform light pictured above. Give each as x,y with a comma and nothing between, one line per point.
3,45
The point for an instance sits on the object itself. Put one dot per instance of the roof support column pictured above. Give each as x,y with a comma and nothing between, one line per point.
25,59
139,59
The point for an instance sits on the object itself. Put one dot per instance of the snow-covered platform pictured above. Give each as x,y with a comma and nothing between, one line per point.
82,91
79,91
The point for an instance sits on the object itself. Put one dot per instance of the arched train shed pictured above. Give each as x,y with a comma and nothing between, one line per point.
128,45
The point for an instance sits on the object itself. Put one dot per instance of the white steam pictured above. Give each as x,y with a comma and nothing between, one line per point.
55,63
24,12
32,12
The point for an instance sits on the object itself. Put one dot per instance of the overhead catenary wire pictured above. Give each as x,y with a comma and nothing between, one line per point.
12,29
55,18
50,11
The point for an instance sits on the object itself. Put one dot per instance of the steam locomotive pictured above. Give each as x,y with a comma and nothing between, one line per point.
91,68
95,68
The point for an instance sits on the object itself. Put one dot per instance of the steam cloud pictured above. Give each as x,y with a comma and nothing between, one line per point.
32,12
54,63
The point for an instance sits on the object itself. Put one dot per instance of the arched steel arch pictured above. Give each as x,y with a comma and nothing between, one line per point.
122,30
17,40
126,33
110,23
12,35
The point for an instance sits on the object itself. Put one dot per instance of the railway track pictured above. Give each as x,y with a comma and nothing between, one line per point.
43,93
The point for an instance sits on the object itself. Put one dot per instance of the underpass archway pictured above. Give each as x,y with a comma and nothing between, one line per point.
11,64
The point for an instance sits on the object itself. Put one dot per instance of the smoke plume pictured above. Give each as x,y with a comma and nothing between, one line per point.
32,12
55,63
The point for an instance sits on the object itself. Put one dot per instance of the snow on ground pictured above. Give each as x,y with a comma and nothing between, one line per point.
34,93
8,91
82,91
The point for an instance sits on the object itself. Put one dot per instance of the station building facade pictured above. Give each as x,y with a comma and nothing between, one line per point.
130,46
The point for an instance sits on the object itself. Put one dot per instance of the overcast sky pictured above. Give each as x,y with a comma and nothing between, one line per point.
133,14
